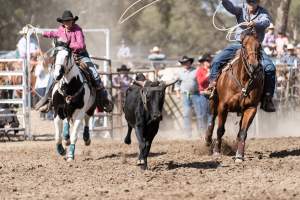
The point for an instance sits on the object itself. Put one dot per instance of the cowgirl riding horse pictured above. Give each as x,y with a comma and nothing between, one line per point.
71,35
70,103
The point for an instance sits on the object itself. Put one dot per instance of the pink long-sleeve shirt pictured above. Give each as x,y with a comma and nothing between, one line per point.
74,37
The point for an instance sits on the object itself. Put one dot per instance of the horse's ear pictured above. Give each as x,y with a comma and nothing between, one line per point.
243,35
254,32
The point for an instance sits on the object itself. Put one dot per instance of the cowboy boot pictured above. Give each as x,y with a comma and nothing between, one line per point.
102,100
267,103
269,87
210,91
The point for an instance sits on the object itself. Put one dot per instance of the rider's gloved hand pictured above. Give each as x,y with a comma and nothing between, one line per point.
251,24
76,57
38,31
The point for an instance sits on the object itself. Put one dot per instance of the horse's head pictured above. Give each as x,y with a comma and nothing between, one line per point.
63,60
251,51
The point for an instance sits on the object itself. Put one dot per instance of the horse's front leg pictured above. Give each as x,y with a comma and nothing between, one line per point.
77,118
58,135
222,116
245,123
86,130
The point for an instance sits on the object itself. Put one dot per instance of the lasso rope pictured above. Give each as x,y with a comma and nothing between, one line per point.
122,20
230,31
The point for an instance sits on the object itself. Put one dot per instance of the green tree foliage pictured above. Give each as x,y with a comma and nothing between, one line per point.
177,26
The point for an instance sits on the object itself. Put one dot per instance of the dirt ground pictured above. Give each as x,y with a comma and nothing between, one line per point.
177,170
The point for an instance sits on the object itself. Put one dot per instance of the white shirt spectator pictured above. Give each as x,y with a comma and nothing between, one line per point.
42,76
22,46
124,52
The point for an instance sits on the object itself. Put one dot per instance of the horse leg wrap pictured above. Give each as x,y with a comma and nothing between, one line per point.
66,131
71,153
240,150
60,149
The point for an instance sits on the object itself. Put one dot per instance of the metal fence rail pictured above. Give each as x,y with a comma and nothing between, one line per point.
23,101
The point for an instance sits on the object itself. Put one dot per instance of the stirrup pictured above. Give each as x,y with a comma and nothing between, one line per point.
45,108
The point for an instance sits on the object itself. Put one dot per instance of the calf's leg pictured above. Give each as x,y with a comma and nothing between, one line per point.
127,139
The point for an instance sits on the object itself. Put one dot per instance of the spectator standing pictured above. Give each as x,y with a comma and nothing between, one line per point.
298,50
42,78
156,54
124,51
269,42
281,42
122,82
290,58
187,90
203,83
156,57
33,47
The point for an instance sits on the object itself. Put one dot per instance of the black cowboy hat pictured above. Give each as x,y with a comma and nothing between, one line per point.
186,59
206,57
66,16
252,1
123,68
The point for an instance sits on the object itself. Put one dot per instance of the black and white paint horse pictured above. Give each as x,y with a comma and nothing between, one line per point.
73,99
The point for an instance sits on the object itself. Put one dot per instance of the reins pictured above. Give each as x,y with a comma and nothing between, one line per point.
252,75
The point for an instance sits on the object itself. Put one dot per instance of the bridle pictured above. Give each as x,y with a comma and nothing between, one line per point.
253,73
245,55
69,60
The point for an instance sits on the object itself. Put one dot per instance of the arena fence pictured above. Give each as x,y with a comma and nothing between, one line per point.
23,101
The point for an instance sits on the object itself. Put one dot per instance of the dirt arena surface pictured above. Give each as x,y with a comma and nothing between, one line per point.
177,170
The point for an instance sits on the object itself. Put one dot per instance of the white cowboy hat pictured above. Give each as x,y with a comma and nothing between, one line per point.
271,26
155,49
290,47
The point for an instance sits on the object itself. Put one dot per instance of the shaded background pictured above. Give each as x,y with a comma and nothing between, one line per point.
178,26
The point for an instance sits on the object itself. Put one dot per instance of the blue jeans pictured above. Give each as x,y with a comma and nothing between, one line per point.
84,57
191,102
228,54
204,112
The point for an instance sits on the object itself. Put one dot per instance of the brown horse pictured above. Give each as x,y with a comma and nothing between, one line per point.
239,89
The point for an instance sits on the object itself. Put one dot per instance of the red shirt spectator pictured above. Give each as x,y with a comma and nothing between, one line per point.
203,72
202,78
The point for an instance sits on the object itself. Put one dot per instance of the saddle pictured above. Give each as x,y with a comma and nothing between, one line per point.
86,73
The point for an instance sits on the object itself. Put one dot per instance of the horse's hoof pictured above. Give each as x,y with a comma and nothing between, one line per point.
144,166
127,141
140,162
60,149
239,160
70,159
67,142
217,155
87,143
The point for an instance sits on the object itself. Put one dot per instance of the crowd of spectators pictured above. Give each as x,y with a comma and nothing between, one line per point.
193,75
